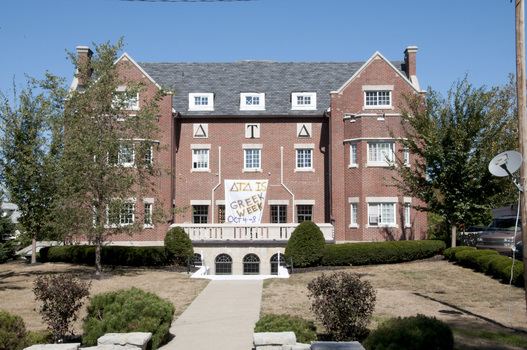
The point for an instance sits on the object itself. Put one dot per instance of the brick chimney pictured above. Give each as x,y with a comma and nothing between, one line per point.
84,55
409,59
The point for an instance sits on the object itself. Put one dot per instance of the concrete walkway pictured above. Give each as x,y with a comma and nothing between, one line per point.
222,317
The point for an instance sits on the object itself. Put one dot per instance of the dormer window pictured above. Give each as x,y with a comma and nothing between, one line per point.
201,102
252,101
303,100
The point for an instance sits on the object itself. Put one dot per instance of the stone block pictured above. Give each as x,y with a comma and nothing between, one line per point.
137,340
274,338
333,345
69,346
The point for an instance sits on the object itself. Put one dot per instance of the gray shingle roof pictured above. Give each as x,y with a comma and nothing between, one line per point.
276,79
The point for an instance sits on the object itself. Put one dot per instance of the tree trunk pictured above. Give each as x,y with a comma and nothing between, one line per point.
454,235
98,267
33,249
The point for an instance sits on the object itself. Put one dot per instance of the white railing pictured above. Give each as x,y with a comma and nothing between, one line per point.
242,233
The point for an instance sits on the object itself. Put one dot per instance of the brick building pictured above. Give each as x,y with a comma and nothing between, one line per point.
316,133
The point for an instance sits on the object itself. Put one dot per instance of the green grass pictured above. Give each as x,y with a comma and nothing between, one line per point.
511,339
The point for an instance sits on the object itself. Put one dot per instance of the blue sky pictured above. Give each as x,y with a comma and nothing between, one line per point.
474,37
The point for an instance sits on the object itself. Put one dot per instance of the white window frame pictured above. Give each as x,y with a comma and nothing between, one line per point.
121,160
200,156
354,217
192,99
376,208
148,205
304,159
245,106
407,211
299,99
377,156
300,147
353,155
252,168
129,221
406,156
374,96
131,104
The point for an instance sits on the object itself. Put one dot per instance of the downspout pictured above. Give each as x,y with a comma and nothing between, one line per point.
218,185
332,220
282,179
172,166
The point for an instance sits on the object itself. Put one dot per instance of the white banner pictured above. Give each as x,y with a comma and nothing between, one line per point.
244,201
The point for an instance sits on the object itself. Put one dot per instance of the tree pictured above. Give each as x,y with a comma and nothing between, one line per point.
454,139
29,150
107,162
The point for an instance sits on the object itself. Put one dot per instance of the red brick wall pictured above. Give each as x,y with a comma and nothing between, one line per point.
275,133
368,181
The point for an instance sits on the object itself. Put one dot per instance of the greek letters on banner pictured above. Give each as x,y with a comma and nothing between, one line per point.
244,201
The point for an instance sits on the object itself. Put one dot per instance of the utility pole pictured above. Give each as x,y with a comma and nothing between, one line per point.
522,120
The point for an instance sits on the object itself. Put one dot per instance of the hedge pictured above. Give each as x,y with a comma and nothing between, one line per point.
110,255
380,252
489,262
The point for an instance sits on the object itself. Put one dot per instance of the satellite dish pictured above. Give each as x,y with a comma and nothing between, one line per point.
506,163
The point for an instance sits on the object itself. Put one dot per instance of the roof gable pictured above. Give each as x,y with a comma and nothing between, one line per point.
377,55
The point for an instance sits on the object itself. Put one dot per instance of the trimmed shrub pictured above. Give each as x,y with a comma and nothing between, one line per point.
12,332
449,253
305,331
380,252
306,245
178,246
484,261
126,311
61,298
490,262
411,333
110,255
343,303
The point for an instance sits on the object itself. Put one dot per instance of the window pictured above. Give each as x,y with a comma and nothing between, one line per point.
252,101
304,213
200,159
380,153
353,155
274,263
147,151
407,222
251,264
147,216
304,158
353,217
198,261
378,98
201,102
278,214
200,214
223,264
124,100
125,156
303,100
252,159
381,214
120,213
221,214
406,154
